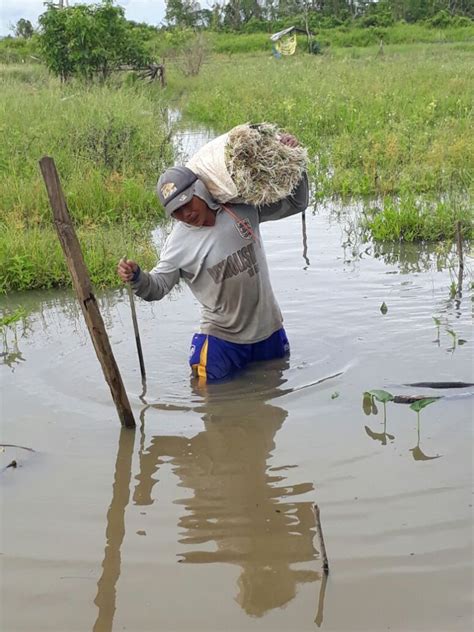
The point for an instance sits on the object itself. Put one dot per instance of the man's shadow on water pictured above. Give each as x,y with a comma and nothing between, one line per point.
241,507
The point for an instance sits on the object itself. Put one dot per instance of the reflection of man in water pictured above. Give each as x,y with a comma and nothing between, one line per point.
241,508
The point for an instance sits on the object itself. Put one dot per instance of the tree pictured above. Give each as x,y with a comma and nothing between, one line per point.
182,13
23,28
89,40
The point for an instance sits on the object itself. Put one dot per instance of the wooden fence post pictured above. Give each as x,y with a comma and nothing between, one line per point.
82,285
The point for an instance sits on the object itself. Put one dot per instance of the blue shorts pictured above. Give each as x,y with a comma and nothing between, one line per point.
212,358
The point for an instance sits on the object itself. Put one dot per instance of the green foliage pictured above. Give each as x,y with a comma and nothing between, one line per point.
315,48
418,219
88,40
231,44
249,16
33,259
377,14
381,396
24,29
109,146
9,319
19,50
422,403
182,13
397,125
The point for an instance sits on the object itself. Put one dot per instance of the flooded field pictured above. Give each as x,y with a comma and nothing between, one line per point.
202,519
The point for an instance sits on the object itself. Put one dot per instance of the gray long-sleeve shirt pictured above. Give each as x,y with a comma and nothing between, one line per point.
226,269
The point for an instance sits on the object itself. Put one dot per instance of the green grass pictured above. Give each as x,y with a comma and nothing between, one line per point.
109,144
373,125
396,126
409,220
33,259
343,37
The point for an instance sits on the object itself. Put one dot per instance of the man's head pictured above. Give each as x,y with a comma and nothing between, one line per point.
185,197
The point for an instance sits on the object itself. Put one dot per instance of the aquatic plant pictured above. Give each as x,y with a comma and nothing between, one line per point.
368,405
6,320
437,322
10,353
418,406
383,397
454,338
419,218
422,403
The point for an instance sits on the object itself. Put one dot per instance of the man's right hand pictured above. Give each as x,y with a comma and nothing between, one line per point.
126,269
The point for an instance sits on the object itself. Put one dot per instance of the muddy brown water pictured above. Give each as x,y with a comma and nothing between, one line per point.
202,519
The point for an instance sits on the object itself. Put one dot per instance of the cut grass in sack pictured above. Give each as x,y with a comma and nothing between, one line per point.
249,164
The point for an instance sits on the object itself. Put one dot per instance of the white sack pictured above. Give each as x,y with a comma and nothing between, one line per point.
209,164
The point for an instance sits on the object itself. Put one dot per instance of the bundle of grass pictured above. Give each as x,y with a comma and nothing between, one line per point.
250,164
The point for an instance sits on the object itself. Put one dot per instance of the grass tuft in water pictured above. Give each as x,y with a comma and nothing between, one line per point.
413,218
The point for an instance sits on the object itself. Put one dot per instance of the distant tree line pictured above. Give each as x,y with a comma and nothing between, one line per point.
261,15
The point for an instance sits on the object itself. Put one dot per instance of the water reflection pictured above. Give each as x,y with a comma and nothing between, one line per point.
242,511
10,353
417,452
115,533
11,357
415,257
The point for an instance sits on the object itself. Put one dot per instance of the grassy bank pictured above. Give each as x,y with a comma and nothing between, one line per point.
373,125
344,37
109,145
397,126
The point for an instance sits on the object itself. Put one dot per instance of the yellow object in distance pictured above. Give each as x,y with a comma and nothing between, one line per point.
286,45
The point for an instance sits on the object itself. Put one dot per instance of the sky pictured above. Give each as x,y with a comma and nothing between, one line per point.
151,11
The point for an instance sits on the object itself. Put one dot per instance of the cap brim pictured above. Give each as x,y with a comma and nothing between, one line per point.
180,200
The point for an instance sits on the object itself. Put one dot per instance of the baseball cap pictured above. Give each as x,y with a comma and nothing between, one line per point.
177,186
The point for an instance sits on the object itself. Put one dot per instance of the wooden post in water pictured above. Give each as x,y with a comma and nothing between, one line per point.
321,539
83,287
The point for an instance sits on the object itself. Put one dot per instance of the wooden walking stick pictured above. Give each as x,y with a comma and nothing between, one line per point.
83,287
135,328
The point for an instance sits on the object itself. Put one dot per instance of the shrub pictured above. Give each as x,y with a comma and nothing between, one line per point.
315,48
87,40
441,20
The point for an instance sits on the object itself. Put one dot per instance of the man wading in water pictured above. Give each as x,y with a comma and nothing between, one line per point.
216,248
